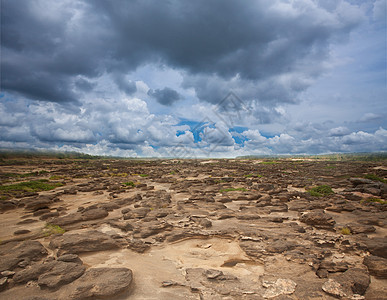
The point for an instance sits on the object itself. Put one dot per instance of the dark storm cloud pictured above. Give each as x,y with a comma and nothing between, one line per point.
84,85
166,96
47,44
125,85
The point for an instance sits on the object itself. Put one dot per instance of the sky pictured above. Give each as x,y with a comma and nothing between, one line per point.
181,78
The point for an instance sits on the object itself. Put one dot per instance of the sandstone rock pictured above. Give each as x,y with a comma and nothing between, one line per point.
100,283
212,274
67,219
333,288
13,253
376,265
318,220
87,215
359,228
83,242
21,231
70,258
334,266
377,246
60,274
357,181
3,283
93,214
138,245
356,279
41,202
280,287
280,246
51,275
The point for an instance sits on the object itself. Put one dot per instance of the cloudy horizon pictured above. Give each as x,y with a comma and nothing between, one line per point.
216,78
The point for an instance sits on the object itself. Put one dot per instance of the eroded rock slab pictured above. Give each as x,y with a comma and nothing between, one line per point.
13,253
99,283
83,242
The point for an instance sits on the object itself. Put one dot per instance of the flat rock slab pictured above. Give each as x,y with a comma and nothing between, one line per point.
83,242
14,252
99,283
52,274
92,214
376,265
318,220
280,287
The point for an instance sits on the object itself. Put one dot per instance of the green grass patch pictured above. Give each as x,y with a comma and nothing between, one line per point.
143,175
345,231
232,189
51,229
374,200
321,191
375,178
31,186
129,183
118,174
24,175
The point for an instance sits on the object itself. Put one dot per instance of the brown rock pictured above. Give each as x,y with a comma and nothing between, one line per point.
318,220
376,265
13,253
83,242
100,283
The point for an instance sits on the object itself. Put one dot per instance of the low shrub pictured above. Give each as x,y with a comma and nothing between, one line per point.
321,191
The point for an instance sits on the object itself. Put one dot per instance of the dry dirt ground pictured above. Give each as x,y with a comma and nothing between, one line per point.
193,229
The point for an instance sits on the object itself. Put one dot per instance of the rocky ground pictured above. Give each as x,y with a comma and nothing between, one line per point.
193,229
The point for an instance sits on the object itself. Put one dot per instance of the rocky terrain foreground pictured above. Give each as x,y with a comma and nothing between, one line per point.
192,229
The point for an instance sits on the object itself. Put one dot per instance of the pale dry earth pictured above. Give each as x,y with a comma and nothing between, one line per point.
194,229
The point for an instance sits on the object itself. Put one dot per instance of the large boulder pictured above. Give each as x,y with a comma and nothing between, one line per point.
377,246
377,266
100,283
13,253
91,214
52,274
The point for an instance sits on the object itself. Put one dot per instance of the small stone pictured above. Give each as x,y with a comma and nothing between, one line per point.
280,287
21,231
212,274
7,273
333,288
168,283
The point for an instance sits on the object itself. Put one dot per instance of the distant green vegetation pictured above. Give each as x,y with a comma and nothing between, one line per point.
253,175
270,162
130,183
232,189
321,191
118,174
373,200
330,167
31,186
58,177
375,178
23,175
